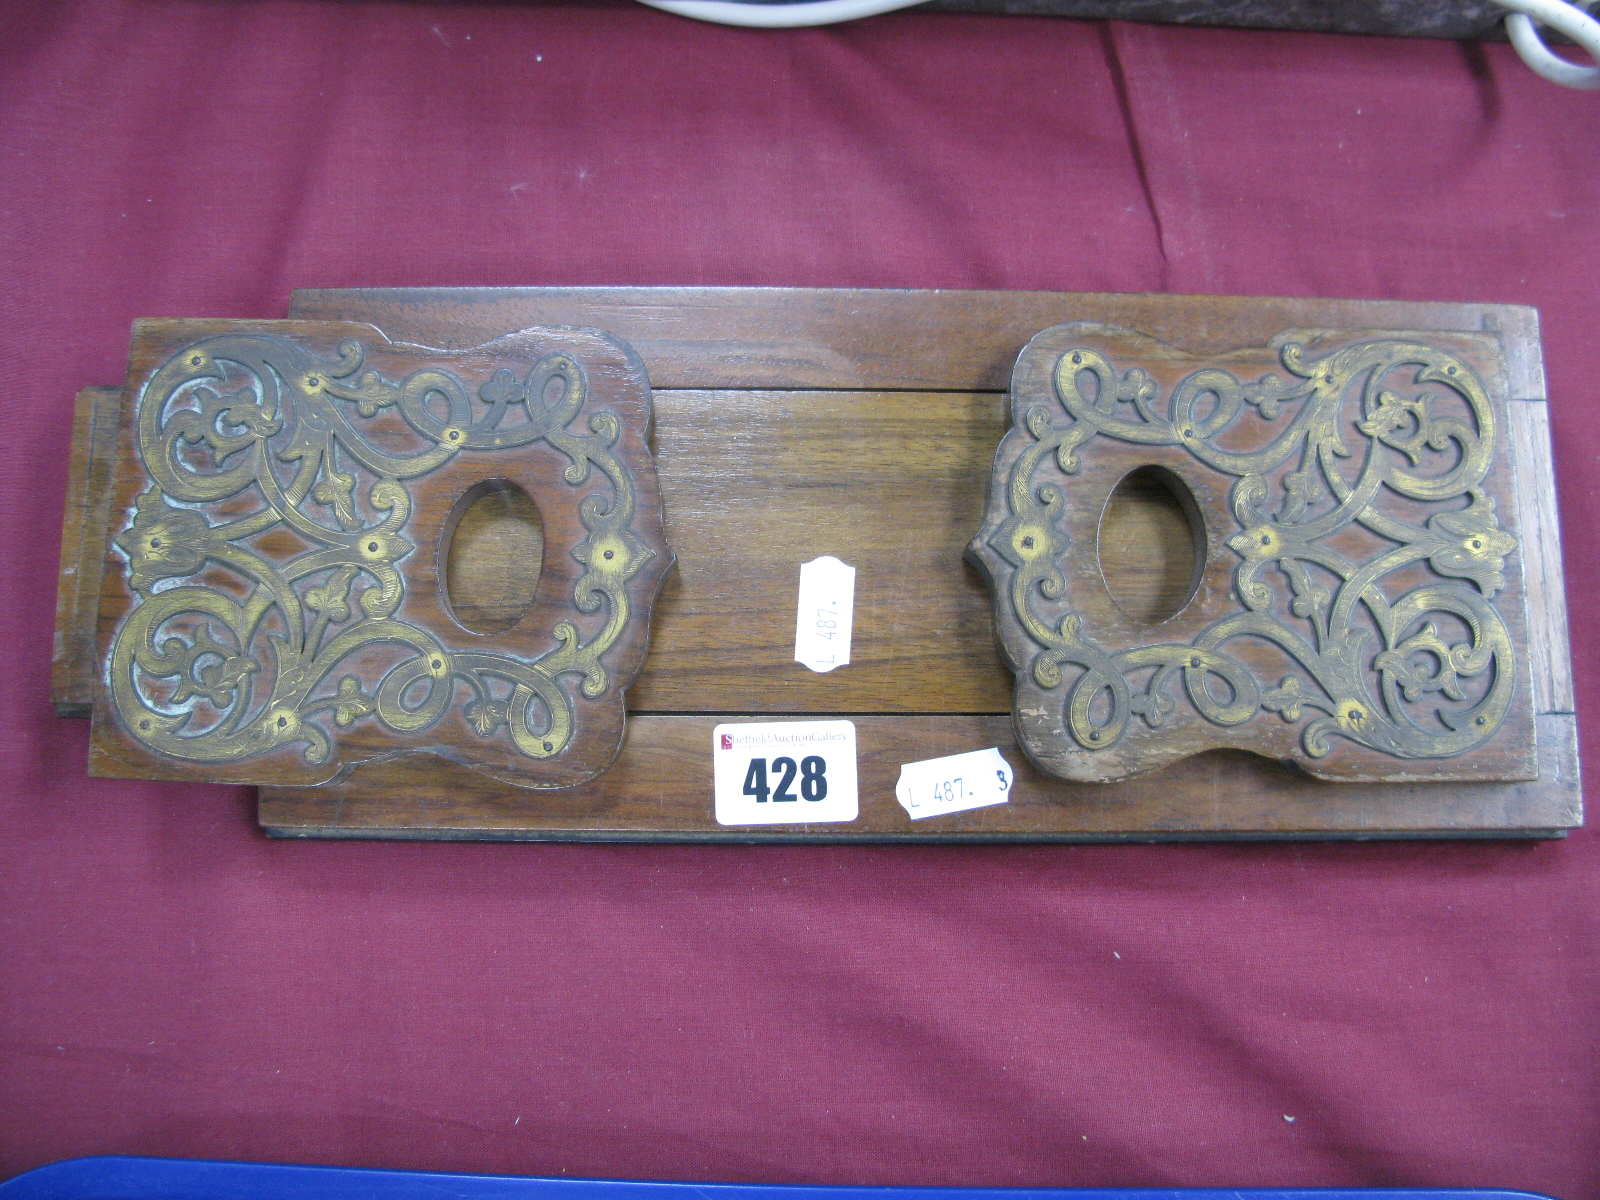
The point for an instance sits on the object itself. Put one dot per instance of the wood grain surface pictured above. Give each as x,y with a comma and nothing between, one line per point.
1150,548
792,423
660,787
83,539
860,338
1548,640
494,561
1360,592
755,483
220,668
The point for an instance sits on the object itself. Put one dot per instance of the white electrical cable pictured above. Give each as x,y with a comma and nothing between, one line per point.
1570,20
779,16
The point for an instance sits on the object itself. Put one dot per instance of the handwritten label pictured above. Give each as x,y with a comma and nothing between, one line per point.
948,785
822,624
784,772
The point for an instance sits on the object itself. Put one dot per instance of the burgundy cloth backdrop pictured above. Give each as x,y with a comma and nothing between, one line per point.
173,983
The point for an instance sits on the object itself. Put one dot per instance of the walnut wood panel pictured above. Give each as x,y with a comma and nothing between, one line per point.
660,788
272,608
756,482
859,338
1149,547
725,628
1548,642
493,563
83,538
1360,609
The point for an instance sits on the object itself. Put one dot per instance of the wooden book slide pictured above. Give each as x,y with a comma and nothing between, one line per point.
494,563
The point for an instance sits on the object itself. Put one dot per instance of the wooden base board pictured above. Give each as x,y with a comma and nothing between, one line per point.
660,790
797,423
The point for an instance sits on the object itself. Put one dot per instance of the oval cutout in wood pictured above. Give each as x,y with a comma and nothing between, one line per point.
490,556
1151,545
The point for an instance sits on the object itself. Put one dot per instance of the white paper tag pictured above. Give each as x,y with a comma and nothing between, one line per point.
954,784
784,772
822,624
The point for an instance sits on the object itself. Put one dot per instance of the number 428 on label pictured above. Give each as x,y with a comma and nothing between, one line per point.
785,772
813,779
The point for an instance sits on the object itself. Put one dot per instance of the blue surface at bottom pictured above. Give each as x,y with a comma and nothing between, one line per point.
122,1178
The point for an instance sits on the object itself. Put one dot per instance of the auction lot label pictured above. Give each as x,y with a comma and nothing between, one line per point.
784,772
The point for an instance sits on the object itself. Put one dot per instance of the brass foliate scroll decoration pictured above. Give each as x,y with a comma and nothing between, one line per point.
1359,608
288,491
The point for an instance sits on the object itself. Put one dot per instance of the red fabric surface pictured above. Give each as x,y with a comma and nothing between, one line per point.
171,982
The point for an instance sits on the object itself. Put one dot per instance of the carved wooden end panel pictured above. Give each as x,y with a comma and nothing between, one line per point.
1359,609
273,609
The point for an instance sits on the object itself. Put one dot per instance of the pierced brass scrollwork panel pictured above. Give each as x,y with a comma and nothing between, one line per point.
1359,611
273,610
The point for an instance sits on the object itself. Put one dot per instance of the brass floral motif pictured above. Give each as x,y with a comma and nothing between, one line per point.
1359,662
235,647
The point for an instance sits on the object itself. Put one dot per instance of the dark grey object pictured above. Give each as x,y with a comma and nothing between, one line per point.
1415,18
